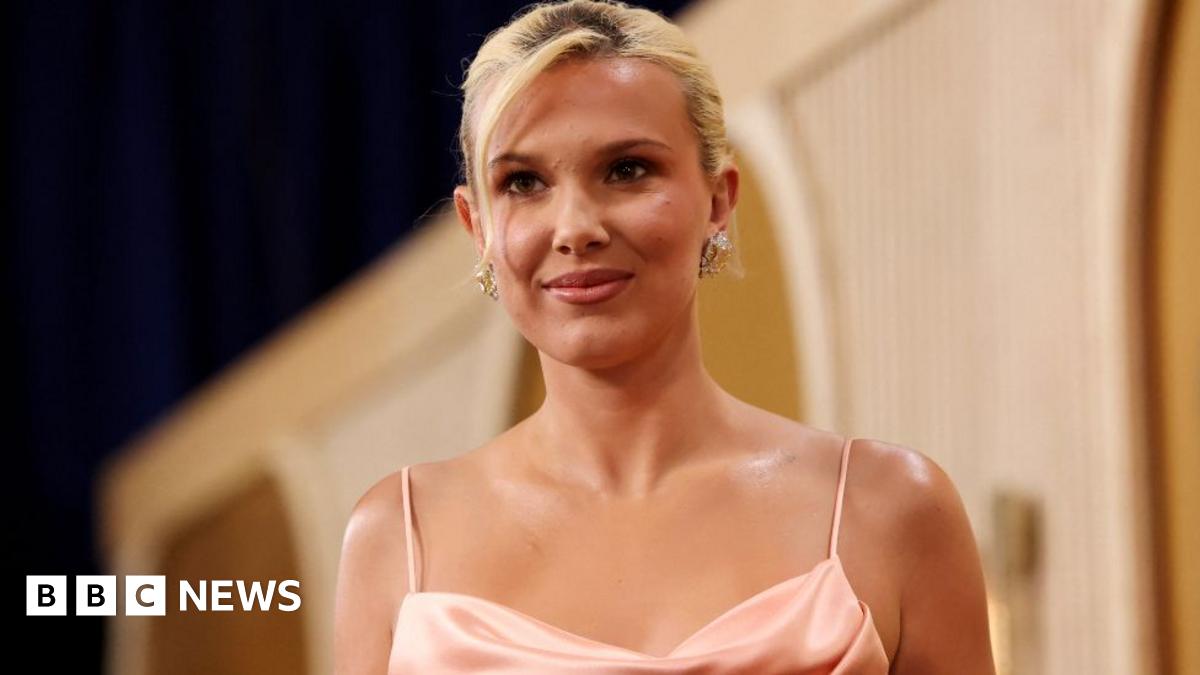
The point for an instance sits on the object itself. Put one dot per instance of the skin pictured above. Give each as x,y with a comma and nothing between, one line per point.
640,480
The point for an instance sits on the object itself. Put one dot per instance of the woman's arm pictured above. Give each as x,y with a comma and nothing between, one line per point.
943,603
371,578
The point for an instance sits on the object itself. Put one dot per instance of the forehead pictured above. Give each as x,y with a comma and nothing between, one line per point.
584,102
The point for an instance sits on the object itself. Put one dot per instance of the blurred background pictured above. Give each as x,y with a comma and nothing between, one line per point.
971,228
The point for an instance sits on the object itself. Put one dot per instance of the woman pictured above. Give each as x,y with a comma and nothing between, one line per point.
643,520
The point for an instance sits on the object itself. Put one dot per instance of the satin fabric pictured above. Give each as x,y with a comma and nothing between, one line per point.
810,624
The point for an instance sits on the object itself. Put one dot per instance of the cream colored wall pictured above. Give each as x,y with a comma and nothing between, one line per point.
954,182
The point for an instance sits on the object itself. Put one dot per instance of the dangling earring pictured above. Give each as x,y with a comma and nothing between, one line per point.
487,280
716,254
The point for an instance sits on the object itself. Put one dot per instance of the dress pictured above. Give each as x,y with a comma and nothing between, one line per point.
809,624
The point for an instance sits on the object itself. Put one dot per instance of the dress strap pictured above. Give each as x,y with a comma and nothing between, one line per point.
408,529
841,490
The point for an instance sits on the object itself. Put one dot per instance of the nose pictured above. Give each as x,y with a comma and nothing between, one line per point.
579,223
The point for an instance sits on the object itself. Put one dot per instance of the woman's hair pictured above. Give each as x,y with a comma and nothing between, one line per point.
544,34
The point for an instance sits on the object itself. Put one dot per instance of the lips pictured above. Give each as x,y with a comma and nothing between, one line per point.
590,295
586,278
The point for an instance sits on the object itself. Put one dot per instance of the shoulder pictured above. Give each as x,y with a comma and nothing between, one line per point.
906,477
914,493
371,577
938,574
376,522
375,541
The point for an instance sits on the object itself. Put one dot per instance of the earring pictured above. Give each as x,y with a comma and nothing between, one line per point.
487,280
716,254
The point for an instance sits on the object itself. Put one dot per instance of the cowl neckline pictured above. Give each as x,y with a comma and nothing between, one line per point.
822,586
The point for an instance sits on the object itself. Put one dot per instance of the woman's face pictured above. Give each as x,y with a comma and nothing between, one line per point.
596,165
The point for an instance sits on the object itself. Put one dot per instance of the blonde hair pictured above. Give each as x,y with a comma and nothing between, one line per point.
546,33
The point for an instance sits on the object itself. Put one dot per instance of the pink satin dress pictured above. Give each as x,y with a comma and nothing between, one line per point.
808,624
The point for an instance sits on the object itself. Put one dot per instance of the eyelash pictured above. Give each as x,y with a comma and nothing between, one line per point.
507,181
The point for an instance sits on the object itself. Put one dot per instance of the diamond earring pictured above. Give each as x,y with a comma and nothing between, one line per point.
487,280
717,251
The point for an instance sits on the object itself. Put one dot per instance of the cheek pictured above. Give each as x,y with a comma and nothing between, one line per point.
666,228
523,248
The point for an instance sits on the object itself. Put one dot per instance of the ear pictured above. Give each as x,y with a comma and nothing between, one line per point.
464,205
724,199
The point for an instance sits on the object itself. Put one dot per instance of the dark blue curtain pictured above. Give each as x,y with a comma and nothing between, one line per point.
183,177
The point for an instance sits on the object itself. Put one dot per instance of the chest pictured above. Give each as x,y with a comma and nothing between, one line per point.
645,579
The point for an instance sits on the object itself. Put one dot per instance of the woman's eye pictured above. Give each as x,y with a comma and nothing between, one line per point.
626,169
525,183
519,179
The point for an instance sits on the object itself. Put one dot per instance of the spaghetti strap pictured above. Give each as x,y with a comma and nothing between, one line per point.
841,490
408,529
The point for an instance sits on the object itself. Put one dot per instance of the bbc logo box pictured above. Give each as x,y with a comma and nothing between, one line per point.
46,595
95,595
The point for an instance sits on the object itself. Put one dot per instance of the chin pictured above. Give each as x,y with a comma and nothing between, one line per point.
588,359
590,351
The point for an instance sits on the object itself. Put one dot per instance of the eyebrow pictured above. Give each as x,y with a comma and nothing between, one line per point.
615,146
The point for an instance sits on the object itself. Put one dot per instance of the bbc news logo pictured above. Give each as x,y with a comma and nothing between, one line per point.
146,595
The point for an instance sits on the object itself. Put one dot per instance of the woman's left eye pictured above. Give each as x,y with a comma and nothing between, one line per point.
628,169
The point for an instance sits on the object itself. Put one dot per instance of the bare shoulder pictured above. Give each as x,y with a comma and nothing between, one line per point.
371,579
901,490
376,526
941,588
907,479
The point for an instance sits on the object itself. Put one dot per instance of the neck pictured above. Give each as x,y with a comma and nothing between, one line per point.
623,431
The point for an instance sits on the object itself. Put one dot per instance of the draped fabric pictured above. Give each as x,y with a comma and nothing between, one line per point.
807,625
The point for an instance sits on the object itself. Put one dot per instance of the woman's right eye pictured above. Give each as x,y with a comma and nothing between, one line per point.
518,179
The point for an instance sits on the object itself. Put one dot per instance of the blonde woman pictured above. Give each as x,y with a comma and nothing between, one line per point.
643,520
